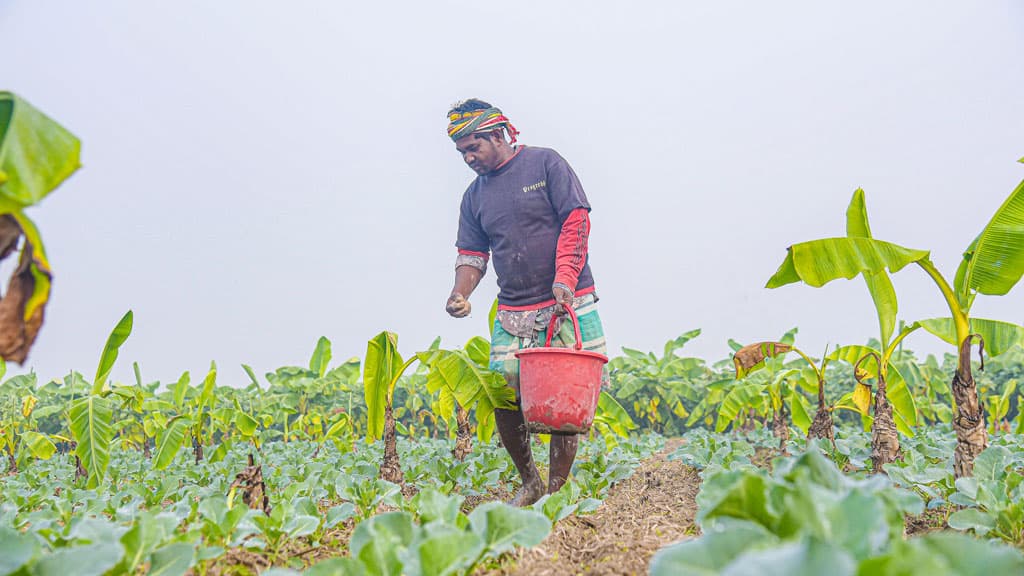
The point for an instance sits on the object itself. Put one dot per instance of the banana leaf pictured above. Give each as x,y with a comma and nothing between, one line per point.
38,444
799,409
321,358
117,337
752,356
998,336
382,364
737,400
672,345
611,414
479,350
35,253
92,427
879,285
472,385
28,290
170,441
900,396
36,154
819,262
994,262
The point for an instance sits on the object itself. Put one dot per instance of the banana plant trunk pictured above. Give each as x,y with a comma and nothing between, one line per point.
779,428
822,425
197,449
80,472
253,490
969,419
750,422
885,442
390,469
463,438
12,463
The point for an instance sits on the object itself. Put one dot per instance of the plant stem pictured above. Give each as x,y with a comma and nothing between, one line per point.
810,363
963,327
896,344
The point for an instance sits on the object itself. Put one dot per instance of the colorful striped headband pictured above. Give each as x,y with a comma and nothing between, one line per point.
462,124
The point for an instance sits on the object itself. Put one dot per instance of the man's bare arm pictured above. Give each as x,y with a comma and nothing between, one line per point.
466,280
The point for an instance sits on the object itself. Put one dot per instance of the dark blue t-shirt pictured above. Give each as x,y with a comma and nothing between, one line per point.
516,214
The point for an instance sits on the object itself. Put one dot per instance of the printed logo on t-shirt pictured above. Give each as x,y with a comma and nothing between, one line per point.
536,186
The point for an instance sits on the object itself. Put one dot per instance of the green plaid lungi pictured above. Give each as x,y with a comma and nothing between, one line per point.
504,344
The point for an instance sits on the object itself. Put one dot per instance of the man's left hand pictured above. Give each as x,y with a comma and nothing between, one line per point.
563,297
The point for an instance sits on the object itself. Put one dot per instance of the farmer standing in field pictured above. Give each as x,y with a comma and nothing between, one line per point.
525,211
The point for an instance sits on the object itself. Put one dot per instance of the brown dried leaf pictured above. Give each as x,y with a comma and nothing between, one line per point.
249,482
752,356
860,375
17,333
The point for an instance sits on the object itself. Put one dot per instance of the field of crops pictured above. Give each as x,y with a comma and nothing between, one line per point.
686,472
866,460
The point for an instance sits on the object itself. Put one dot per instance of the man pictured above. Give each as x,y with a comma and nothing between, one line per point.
526,212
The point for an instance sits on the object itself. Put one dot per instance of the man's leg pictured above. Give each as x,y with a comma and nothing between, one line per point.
563,453
563,447
512,429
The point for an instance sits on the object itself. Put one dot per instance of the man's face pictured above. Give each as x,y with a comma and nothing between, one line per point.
479,151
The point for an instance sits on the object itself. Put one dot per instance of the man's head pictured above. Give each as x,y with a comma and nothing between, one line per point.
478,130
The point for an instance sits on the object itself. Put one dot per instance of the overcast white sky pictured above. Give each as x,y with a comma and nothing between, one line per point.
258,174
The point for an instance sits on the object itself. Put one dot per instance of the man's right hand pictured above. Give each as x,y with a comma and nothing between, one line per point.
458,306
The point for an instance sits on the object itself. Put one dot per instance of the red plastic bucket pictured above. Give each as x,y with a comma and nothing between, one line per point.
559,387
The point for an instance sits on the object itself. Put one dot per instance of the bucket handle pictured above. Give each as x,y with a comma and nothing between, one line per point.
575,326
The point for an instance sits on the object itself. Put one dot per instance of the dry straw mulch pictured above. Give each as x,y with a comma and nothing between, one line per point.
651,509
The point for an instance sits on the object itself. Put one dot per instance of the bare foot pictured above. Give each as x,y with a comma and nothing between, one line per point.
527,495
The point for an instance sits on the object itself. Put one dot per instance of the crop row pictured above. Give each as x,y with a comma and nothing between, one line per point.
189,517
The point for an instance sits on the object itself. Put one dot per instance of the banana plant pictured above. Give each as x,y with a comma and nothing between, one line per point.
200,417
469,383
999,406
36,156
463,380
892,399
768,387
417,400
19,434
659,388
312,422
345,389
382,368
611,420
1001,381
992,264
190,415
304,401
165,421
131,428
755,356
91,416
883,295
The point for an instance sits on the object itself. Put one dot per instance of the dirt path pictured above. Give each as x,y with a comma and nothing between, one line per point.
652,508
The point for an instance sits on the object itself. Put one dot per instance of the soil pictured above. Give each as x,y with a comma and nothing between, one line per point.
651,509
763,457
932,520
498,493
